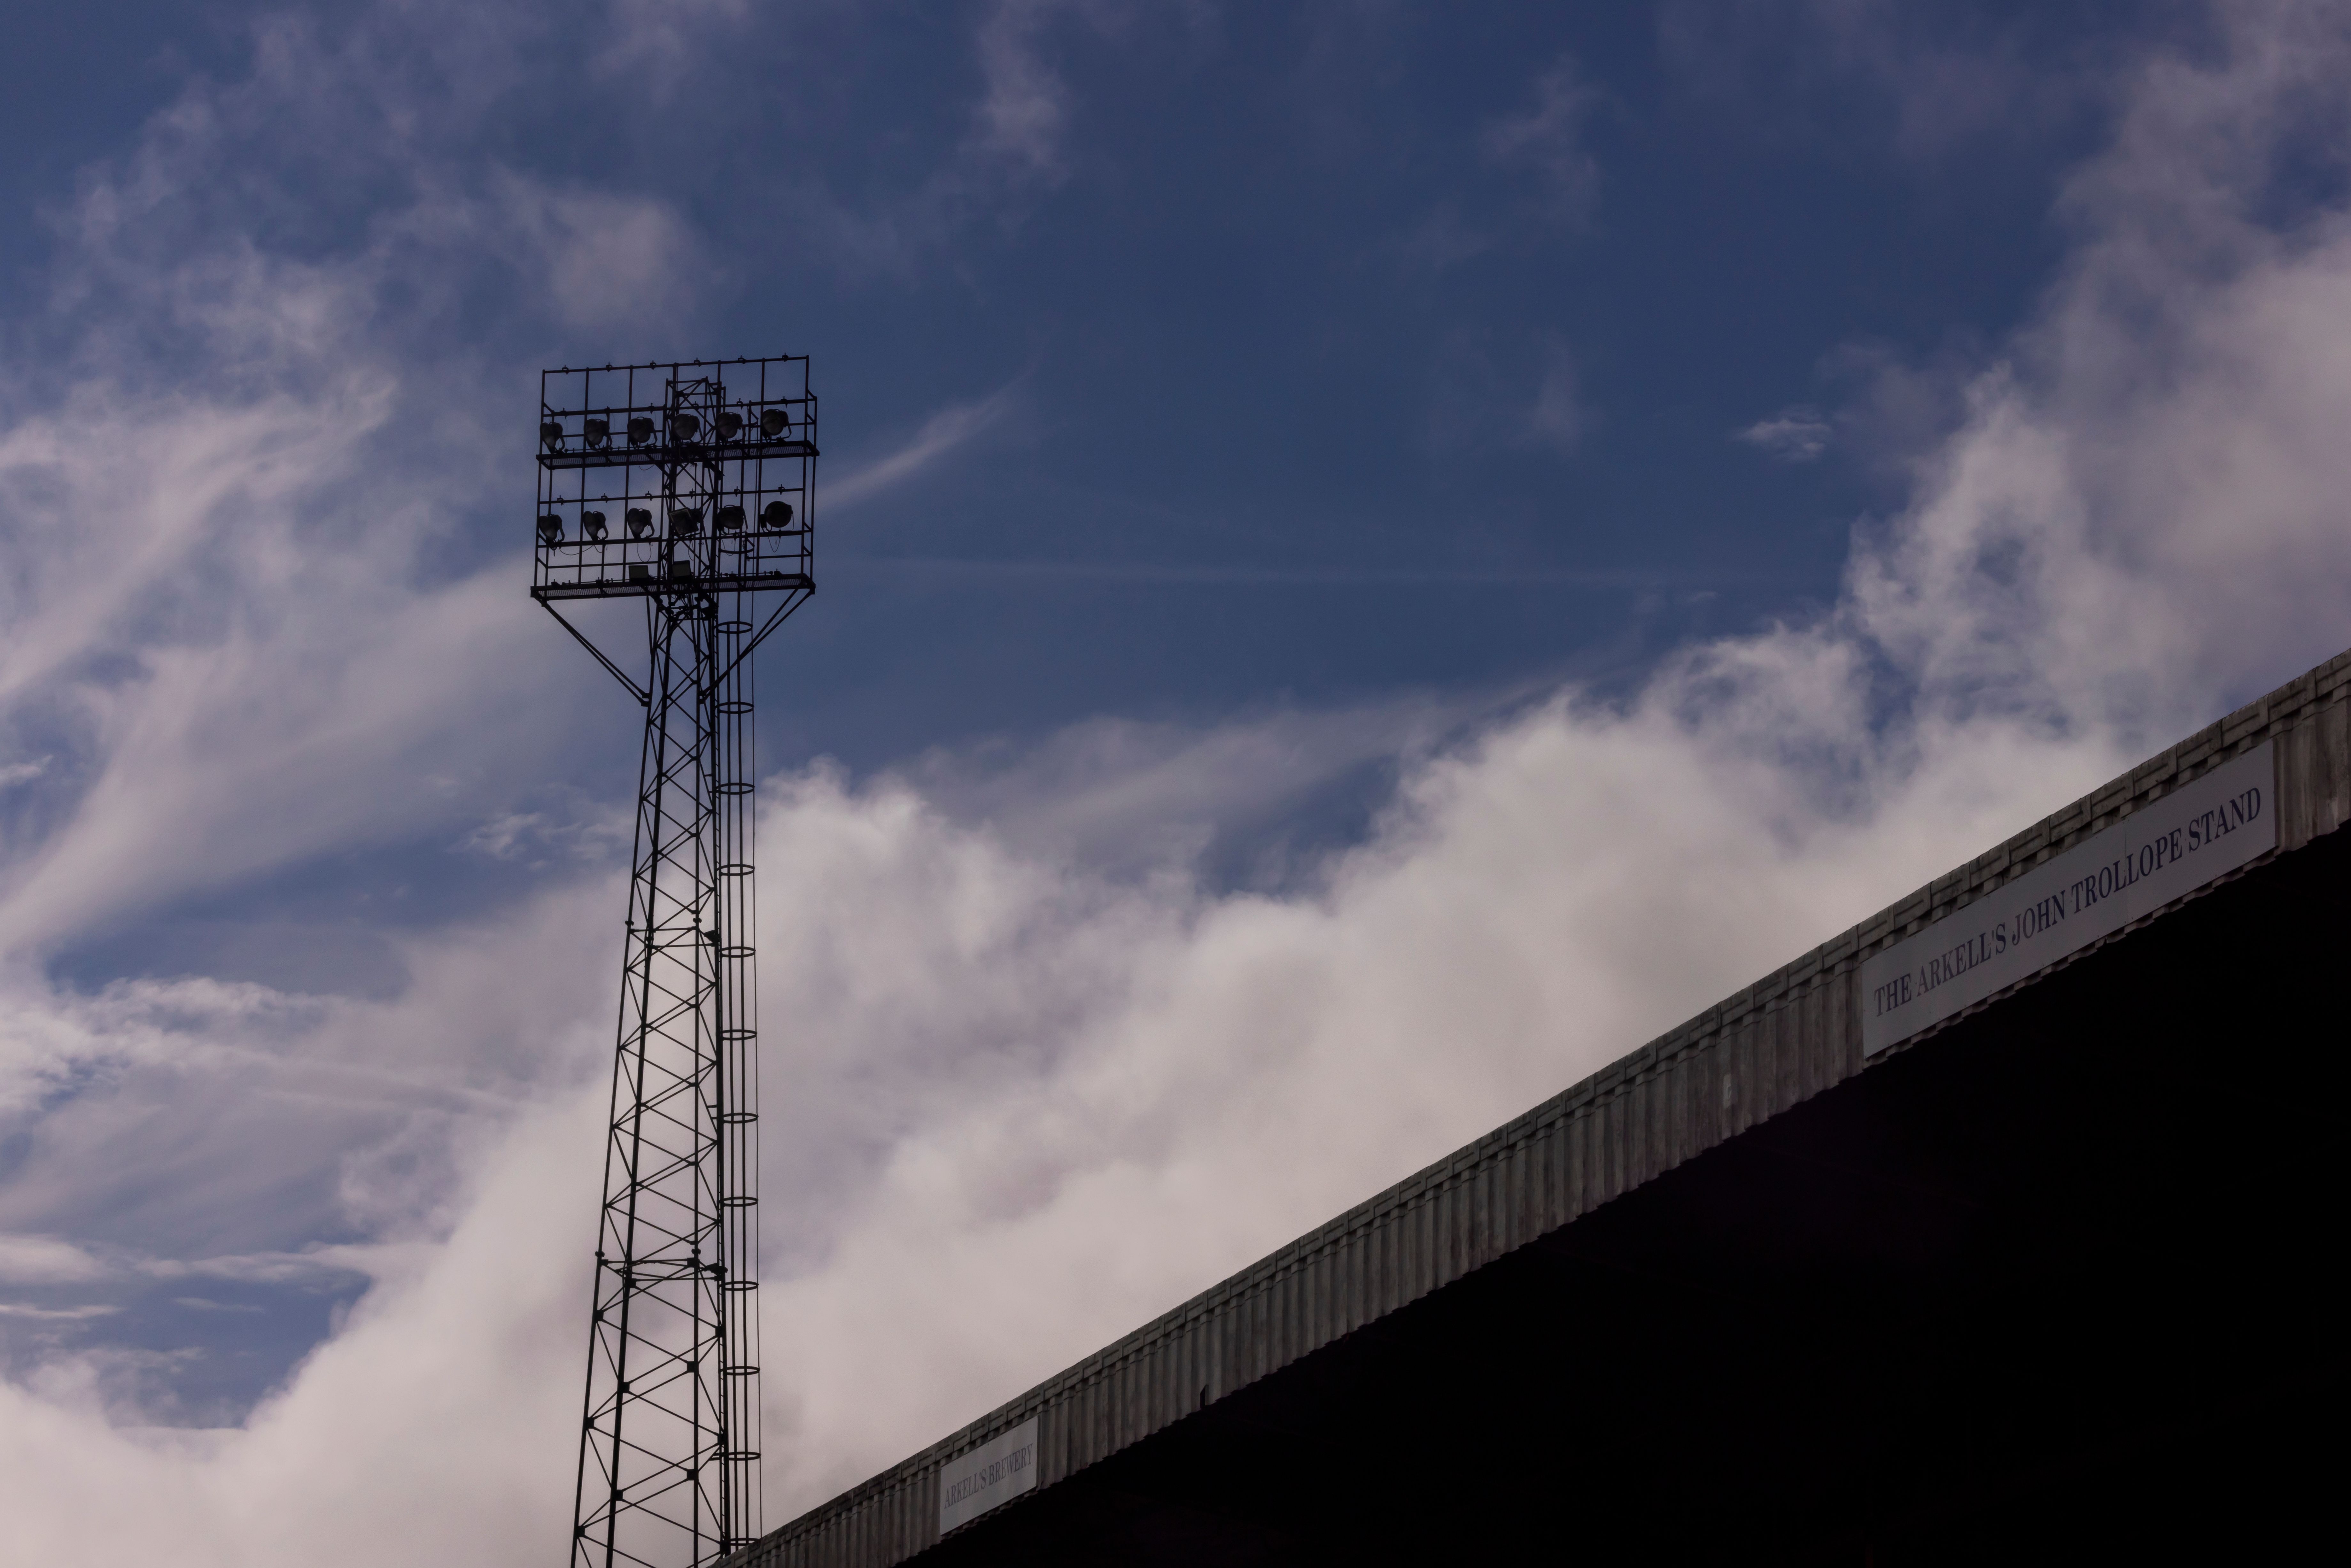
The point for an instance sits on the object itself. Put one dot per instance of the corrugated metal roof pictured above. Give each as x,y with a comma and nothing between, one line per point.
1779,1041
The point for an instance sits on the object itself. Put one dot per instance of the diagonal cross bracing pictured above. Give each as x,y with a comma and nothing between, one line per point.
669,1444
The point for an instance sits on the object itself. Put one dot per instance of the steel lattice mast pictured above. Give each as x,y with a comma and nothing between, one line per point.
688,486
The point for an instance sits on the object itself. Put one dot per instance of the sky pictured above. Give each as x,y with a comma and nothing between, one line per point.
1374,558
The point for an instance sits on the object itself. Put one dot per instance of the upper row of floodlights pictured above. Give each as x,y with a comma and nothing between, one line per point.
685,429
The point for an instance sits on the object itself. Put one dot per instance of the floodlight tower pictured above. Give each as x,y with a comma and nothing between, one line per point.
688,486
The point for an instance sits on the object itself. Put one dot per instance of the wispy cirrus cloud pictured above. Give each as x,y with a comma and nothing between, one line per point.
1934,79
941,434
1549,138
1013,1045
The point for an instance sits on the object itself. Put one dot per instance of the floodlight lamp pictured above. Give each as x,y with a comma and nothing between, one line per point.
591,526
550,530
774,422
729,425
684,522
641,522
551,436
596,431
775,515
641,430
730,519
683,428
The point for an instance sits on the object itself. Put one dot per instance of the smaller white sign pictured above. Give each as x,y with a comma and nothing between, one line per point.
997,1471
2165,848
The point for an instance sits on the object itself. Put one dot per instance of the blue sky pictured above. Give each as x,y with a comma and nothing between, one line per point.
1324,350
1374,556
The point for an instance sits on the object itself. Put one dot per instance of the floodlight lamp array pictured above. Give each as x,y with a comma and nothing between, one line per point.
708,466
678,431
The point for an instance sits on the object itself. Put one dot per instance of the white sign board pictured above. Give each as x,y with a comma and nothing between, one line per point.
2169,847
997,1471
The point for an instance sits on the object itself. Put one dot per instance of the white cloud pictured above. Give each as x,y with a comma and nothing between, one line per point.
656,44
1021,115
1549,137
1938,79
1127,796
608,261
1004,1055
1488,391
1016,145
1560,417
1442,239
1022,119
44,1260
586,833
1795,435
57,1314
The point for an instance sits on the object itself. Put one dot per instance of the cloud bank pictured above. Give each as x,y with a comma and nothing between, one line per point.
1051,1089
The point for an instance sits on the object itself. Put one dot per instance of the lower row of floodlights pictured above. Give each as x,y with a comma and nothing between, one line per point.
684,522
685,429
